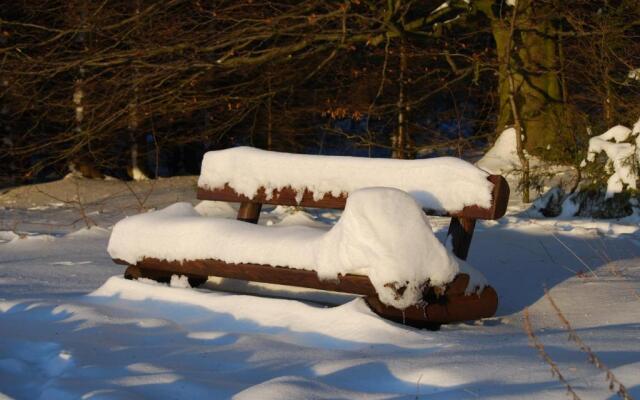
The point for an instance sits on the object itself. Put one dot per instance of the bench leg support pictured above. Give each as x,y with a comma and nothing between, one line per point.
461,232
249,212
134,272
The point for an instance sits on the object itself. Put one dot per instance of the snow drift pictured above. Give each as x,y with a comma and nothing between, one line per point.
502,157
622,157
383,233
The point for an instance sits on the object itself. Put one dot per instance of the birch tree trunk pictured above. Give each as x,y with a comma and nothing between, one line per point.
135,171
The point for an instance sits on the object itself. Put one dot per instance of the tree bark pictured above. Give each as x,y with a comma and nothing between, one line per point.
537,84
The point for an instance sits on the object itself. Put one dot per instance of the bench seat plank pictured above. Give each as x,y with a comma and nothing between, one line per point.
355,284
442,305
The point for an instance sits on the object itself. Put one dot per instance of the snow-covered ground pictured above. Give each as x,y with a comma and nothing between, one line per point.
71,327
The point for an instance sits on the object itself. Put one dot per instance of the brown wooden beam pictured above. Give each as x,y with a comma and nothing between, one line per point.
287,196
355,284
454,308
461,232
249,212
440,305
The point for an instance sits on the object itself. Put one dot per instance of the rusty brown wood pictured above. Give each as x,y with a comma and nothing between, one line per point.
287,196
249,212
450,306
355,284
446,309
461,232
136,272
500,196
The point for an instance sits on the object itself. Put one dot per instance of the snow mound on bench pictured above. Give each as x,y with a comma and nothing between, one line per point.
382,233
445,183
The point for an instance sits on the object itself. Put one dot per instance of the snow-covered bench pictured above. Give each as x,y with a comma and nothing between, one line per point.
382,247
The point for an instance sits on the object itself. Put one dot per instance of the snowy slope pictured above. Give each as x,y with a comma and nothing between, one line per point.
72,328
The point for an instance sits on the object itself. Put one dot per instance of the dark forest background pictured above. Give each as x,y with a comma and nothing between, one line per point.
104,86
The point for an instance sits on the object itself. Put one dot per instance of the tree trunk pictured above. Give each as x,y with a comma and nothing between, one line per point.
137,168
515,110
399,139
537,85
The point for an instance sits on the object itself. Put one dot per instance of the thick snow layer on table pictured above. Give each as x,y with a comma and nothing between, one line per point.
444,183
382,233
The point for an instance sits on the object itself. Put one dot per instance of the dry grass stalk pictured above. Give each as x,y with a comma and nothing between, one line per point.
555,371
575,255
87,220
140,201
614,384
75,202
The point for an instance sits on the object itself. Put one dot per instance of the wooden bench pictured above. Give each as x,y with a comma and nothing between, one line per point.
441,304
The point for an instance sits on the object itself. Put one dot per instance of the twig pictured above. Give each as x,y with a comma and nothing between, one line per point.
574,254
135,195
515,112
555,371
555,236
88,221
77,202
614,384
